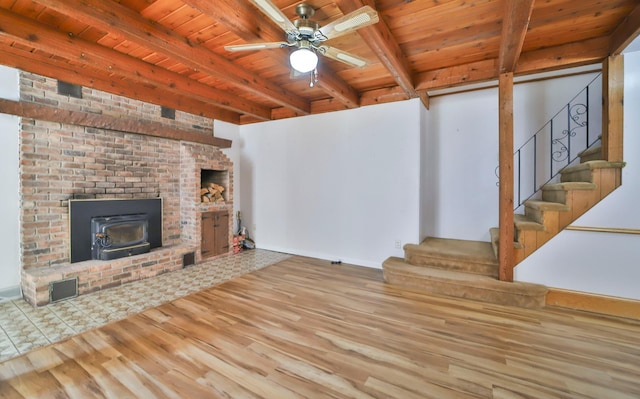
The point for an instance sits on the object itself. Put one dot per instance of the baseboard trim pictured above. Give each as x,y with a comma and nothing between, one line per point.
323,256
596,303
10,293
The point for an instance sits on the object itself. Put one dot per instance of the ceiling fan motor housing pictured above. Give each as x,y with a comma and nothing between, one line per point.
305,11
306,27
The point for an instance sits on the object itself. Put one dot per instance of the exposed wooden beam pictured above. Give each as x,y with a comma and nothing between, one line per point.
424,97
381,96
248,23
551,58
120,20
147,128
45,65
33,34
565,56
505,155
514,29
380,39
626,32
613,108
458,75
331,84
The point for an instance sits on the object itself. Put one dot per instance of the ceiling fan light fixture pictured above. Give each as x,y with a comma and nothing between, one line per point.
303,60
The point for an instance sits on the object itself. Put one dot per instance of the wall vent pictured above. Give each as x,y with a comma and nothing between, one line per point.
69,89
188,259
167,112
63,289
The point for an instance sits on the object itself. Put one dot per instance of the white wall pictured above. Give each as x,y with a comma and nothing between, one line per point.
10,200
428,177
343,185
463,131
230,131
602,263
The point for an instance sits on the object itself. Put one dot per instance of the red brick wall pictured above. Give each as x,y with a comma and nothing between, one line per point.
61,162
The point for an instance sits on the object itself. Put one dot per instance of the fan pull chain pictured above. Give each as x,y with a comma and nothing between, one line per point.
313,77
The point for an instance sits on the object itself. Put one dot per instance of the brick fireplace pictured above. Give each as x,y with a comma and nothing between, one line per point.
61,162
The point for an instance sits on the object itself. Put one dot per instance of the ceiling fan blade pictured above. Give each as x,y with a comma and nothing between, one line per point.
343,56
354,20
273,12
256,46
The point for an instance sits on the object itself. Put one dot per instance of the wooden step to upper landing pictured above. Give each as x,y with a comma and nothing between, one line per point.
460,255
593,153
463,285
559,192
591,171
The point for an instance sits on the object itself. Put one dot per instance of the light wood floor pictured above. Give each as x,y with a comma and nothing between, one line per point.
306,328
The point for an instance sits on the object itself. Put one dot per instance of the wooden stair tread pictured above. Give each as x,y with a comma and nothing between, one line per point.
460,255
591,165
546,205
590,151
477,251
565,186
463,285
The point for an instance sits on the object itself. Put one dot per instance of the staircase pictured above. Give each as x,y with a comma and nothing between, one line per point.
462,269
469,269
582,186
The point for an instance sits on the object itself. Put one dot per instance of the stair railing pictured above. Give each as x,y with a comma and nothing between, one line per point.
557,143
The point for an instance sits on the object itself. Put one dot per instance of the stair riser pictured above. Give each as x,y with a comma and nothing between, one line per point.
582,175
460,290
607,180
534,214
451,264
596,156
559,196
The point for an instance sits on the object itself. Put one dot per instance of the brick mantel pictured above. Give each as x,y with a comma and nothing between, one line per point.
65,161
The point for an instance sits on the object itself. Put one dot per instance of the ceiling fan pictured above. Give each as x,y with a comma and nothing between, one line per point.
307,37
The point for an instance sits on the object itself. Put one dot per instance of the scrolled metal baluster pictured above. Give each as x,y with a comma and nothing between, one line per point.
576,112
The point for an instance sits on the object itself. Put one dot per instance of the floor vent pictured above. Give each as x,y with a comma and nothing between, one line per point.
63,289
188,259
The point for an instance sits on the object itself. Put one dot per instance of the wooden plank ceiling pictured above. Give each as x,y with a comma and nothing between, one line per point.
171,52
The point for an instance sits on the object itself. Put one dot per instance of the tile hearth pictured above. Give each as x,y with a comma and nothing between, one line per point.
24,328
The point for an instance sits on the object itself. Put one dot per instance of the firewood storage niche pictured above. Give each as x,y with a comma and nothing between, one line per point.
213,186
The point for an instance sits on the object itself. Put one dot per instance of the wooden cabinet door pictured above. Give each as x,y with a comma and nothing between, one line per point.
221,228
215,233
207,245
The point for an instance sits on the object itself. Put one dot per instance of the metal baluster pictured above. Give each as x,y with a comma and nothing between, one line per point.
551,150
587,112
535,159
569,133
519,179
